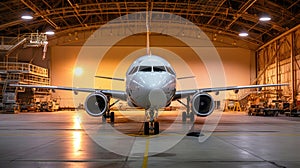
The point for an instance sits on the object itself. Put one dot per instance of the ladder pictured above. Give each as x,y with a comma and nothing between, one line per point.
8,96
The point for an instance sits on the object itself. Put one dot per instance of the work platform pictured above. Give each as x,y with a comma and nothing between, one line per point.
58,140
20,73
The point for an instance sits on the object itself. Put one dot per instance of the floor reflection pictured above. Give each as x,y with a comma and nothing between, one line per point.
77,136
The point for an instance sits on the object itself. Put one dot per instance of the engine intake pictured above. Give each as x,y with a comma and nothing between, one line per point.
202,104
96,104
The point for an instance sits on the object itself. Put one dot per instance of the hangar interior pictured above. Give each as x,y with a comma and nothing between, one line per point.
257,42
268,54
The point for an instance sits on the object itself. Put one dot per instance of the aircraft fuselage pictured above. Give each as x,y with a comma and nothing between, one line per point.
150,82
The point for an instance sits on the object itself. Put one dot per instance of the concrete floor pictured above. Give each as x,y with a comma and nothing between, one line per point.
57,140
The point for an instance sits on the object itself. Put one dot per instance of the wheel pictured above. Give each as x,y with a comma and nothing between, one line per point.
156,128
112,117
146,128
184,117
192,117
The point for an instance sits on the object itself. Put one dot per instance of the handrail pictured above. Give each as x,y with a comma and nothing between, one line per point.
23,68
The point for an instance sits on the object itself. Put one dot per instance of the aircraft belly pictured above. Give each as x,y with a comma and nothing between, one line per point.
155,98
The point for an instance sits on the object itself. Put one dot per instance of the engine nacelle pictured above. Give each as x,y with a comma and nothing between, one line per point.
96,104
202,104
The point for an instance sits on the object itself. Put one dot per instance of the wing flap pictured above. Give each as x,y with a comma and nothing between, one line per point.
121,95
185,93
56,88
216,89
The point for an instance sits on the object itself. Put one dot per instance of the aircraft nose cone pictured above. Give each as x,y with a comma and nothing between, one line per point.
157,98
152,90
152,83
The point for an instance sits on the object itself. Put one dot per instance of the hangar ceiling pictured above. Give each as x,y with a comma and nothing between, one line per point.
218,17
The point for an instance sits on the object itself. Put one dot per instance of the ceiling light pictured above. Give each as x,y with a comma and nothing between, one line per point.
49,32
243,34
27,17
264,18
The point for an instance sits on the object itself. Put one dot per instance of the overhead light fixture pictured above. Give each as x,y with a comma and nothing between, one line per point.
26,17
265,18
243,34
49,32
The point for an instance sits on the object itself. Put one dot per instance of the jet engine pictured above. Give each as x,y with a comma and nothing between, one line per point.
96,104
202,104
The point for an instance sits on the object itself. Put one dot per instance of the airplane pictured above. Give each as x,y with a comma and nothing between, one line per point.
151,85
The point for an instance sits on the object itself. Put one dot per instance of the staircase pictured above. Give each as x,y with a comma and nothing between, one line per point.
8,93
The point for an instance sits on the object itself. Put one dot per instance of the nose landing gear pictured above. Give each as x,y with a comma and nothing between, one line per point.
151,125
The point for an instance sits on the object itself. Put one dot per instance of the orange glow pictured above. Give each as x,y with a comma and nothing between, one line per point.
77,136
78,71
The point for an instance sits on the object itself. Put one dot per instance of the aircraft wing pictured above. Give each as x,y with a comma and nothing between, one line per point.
121,95
185,93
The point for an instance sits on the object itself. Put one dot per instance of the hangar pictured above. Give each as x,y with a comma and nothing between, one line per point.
55,43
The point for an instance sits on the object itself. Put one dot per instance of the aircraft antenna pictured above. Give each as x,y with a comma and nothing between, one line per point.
148,31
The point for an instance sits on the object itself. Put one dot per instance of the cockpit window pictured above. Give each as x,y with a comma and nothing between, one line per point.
145,69
133,70
170,71
152,69
159,69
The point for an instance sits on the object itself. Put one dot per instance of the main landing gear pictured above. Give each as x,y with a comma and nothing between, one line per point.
109,114
151,125
188,113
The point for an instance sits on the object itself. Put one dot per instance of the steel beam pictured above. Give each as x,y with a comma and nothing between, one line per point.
241,11
36,10
78,17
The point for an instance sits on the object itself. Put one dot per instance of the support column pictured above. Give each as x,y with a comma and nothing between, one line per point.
277,68
293,74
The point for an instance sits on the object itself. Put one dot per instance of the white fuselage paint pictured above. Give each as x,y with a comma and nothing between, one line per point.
150,82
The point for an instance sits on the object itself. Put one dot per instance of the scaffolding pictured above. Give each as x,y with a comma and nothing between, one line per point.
14,72
22,73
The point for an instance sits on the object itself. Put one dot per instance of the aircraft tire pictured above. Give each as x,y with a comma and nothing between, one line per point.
156,128
192,117
112,117
184,116
146,128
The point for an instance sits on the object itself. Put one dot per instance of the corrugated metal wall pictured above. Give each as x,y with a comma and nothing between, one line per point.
278,61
